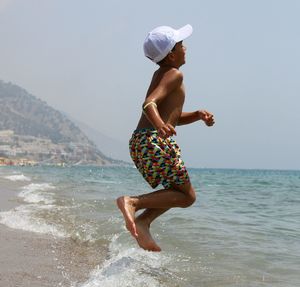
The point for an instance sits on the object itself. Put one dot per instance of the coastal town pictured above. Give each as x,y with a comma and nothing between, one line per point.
30,150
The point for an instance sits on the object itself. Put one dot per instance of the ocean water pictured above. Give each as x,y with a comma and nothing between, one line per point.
243,230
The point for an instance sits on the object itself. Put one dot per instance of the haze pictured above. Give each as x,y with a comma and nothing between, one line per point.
85,58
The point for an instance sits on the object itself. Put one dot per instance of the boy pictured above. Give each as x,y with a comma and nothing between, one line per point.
152,148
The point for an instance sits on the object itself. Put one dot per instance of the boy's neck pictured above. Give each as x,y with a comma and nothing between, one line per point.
168,66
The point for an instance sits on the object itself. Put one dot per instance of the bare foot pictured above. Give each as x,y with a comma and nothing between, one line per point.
144,238
128,211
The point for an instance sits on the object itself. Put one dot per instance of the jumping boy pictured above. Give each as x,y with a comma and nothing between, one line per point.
152,147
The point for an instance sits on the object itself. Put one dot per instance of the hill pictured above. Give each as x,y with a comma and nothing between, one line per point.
111,147
31,129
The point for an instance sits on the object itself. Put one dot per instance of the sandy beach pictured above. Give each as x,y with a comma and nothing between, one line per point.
40,260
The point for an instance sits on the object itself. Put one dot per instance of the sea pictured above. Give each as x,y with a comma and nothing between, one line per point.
243,230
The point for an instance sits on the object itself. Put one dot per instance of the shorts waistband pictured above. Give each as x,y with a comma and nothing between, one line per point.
144,130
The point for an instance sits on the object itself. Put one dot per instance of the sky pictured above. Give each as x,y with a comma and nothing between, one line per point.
85,58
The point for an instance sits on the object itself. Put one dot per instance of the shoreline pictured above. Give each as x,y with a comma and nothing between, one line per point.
31,259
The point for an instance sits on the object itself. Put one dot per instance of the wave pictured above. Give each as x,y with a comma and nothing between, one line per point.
23,218
35,193
128,266
28,216
18,177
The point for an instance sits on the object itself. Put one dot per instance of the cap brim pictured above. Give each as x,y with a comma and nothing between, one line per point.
184,32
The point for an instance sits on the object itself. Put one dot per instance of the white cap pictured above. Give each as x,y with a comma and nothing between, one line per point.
160,41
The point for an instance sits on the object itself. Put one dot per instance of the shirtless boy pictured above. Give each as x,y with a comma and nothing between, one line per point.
152,147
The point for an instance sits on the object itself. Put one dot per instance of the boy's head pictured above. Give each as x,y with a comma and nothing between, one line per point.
160,41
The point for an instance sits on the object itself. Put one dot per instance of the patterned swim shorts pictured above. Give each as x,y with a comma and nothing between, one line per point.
157,159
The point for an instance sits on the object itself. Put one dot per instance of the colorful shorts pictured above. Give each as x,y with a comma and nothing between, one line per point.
157,159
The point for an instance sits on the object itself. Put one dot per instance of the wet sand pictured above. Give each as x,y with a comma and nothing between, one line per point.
38,260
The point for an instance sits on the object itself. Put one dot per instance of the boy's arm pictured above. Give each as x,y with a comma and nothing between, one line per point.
190,117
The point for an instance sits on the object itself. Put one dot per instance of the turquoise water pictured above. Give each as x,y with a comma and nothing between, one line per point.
243,230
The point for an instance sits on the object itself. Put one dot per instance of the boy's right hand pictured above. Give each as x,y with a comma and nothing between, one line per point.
207,117
166,130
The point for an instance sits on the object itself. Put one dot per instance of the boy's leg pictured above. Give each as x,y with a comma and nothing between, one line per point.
142,224
155,203
177,196
150,214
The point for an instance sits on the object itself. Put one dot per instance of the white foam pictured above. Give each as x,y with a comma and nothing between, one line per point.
36,193
18,177
25,216
128,266
22,217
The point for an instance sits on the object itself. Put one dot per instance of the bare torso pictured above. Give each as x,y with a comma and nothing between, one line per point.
170,108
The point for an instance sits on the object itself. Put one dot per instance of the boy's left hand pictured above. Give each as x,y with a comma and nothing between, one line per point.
207,117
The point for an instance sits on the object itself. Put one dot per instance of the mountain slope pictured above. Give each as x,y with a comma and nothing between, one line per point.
109,146
28,116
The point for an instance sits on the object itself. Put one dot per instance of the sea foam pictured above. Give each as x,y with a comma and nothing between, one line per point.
22,217
129,266
18,177
37,198
37,192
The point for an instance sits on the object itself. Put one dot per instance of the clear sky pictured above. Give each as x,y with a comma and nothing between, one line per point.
243,64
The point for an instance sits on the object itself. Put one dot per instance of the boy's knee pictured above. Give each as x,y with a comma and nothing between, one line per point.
190,195
190,199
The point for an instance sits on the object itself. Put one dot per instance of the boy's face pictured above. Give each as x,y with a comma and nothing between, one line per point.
178,54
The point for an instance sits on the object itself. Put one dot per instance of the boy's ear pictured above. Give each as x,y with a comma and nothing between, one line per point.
171,56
